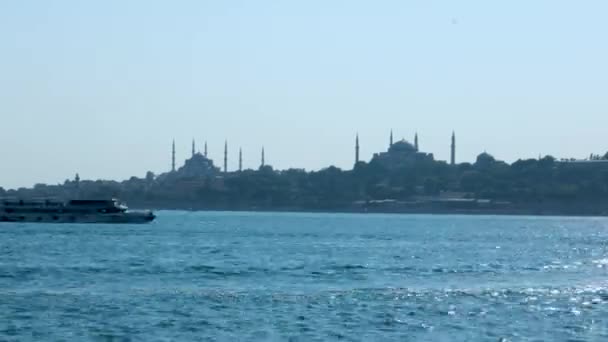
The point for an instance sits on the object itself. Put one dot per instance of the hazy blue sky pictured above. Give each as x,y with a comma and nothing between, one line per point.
102,87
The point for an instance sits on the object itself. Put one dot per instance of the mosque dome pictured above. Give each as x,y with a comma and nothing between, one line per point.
485,159
197,165
402,146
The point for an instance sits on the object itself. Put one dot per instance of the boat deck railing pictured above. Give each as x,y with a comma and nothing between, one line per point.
31,202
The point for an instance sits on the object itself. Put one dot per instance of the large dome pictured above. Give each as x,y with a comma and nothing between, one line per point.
483,157
402,146
197,165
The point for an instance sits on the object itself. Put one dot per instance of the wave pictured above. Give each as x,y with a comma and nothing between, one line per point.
345,267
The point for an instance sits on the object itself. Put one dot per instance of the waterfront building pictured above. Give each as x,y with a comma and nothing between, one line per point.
401,153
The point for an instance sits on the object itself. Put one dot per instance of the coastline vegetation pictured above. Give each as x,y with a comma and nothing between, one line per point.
544,185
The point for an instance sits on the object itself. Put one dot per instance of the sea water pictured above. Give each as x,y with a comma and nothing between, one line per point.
307,277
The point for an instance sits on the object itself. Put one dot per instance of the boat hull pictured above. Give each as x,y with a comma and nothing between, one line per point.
129,217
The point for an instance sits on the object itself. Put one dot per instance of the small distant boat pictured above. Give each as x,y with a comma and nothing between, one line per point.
72,211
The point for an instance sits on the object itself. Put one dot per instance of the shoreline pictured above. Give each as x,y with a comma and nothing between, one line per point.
462,212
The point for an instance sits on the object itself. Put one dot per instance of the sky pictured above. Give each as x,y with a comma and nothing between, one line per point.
101,88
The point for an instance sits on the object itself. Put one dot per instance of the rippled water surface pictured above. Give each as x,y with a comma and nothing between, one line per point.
305,277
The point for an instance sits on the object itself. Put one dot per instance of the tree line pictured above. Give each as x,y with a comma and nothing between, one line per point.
524,182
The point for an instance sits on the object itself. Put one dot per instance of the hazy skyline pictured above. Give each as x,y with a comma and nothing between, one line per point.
102,88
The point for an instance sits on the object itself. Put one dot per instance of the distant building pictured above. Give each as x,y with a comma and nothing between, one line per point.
173,157
226,157
593,164
357,149
401,153
453,149
198,165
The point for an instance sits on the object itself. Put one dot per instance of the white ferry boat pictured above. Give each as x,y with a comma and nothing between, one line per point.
73,211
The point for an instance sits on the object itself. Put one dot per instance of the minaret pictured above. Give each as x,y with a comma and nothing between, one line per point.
226,156
193,148
173,157
205,149
416,141
262,165
453,150
357,149
391,139
240,159
77,184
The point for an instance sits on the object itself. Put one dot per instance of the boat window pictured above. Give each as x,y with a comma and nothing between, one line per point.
89,202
